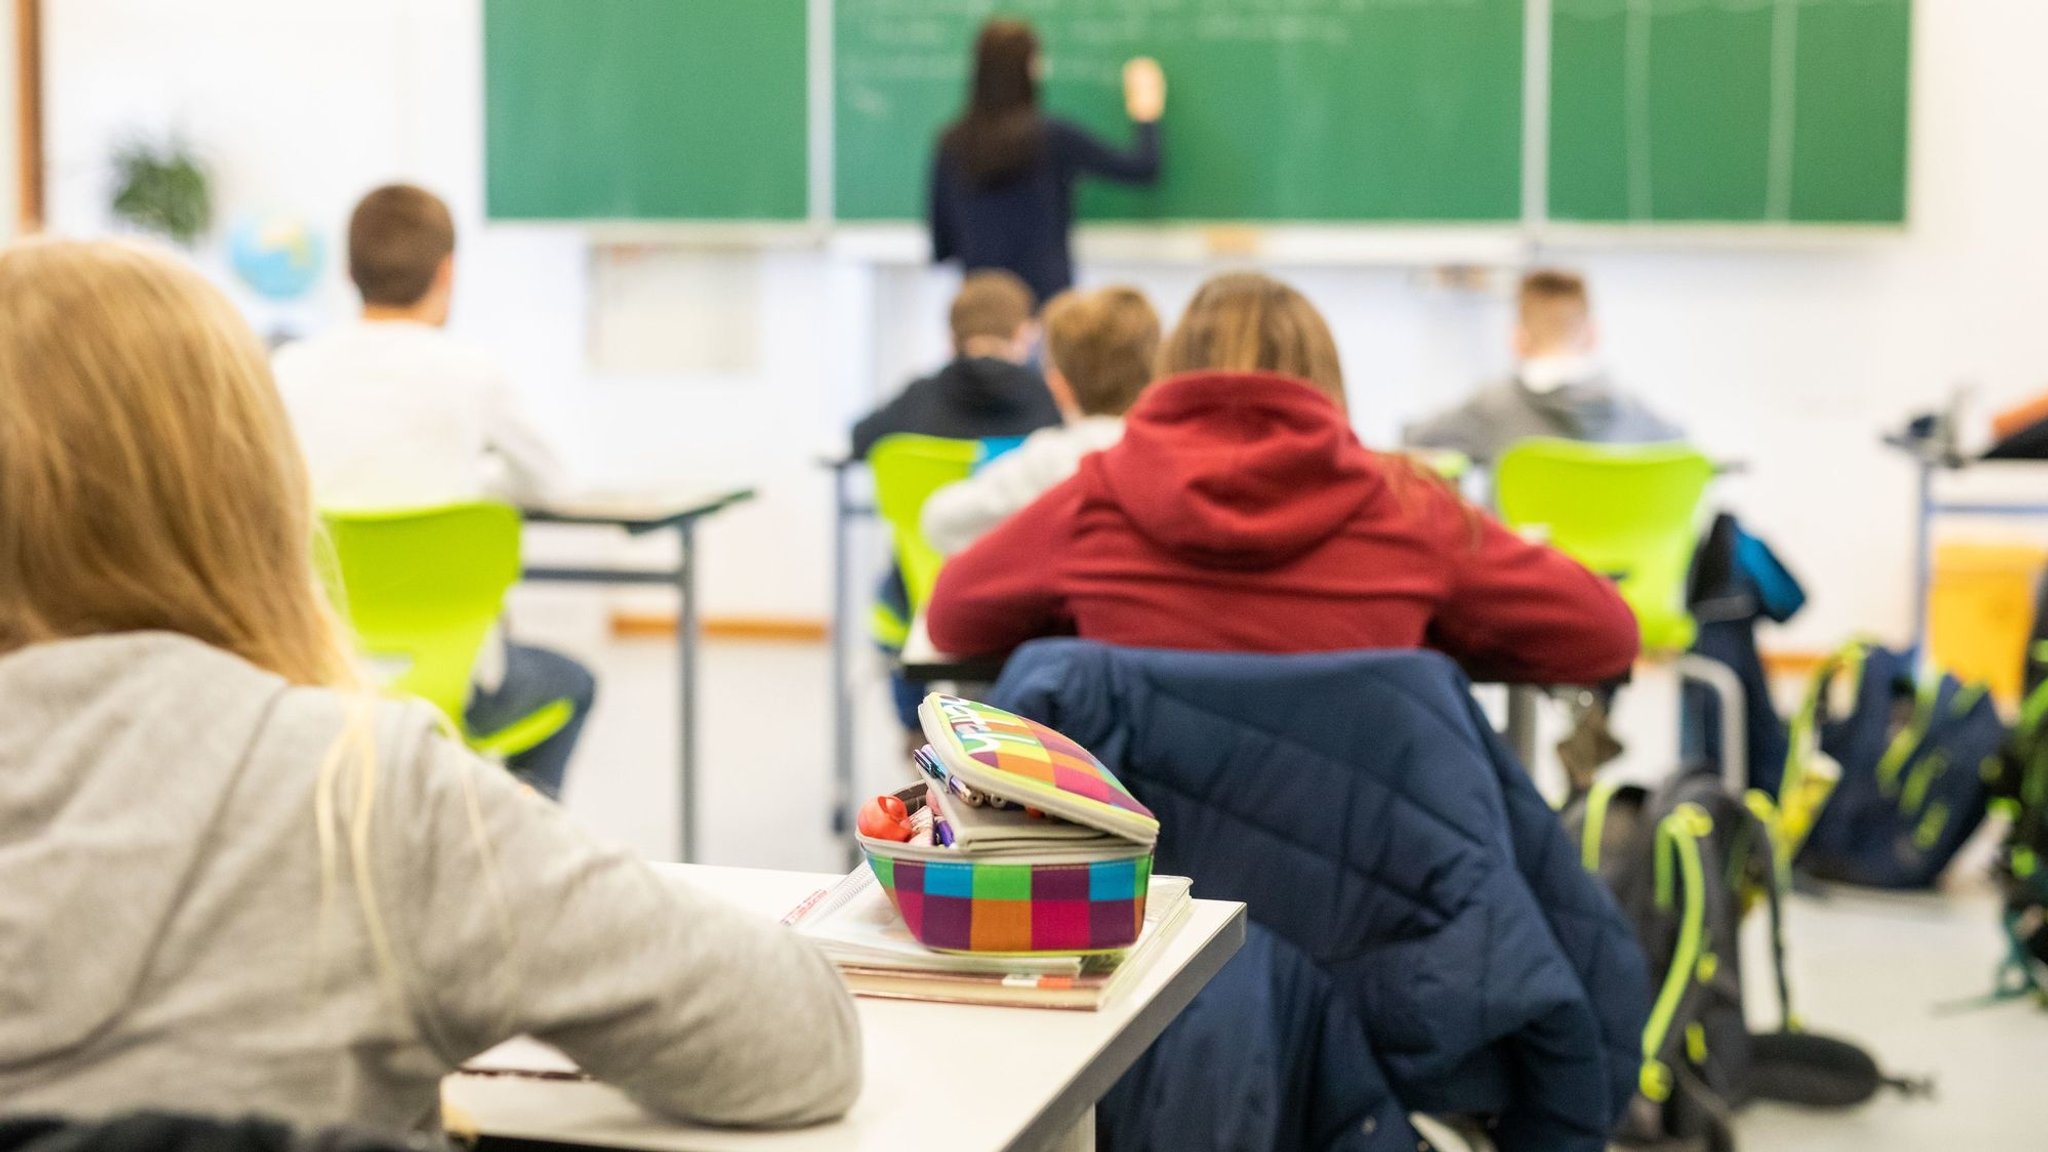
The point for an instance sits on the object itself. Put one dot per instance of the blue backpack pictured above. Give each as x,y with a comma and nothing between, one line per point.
1915,757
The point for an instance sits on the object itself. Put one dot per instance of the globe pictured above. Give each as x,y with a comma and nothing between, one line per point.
278,257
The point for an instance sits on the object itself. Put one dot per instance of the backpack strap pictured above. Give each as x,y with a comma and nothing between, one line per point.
2035,709
1593,825
1777,884
1804,789
1677,846
1926,698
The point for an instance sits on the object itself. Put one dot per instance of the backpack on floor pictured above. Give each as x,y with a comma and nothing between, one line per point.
1686,862
2019,790
1912,758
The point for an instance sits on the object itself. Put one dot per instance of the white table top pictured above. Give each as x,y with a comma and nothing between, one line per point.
649,507
985,1078
918,647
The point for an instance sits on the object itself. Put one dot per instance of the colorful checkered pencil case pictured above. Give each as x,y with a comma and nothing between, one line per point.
1048,852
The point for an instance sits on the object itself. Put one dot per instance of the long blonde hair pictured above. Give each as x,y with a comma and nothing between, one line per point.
1246,322
148,474
149,479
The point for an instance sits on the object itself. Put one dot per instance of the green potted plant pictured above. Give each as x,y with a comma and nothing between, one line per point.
163,189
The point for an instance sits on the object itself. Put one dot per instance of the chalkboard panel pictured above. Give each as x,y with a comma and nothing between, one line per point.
646,109
1314,110
1743,111
1729,110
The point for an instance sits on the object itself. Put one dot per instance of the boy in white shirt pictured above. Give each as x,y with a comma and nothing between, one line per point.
392,412
1099,353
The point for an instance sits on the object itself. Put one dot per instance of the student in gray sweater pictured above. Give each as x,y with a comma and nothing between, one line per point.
233,880
1558,390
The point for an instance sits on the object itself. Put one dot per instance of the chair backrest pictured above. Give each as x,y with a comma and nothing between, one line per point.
1355,802
422,587
907,470
1627,512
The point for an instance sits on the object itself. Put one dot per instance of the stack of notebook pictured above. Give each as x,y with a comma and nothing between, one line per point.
857,927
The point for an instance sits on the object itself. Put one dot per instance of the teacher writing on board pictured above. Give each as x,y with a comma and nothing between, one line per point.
1002,188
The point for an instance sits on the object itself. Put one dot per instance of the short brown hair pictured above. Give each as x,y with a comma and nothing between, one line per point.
1554,306
1246,322
397,238
991,303
1104,343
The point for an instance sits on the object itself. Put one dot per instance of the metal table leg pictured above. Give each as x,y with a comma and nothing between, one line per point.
1923,560
842,692
687,635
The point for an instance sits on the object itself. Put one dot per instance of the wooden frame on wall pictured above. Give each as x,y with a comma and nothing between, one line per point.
28,108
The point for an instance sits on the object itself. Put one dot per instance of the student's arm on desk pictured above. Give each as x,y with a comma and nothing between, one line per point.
1006,589
531,471
508,920
1524,613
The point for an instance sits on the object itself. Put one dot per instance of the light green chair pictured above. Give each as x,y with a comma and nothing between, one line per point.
422,588
1627,512
907,470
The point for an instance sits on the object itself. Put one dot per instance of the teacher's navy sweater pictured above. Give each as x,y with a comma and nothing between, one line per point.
1240,513
1023,224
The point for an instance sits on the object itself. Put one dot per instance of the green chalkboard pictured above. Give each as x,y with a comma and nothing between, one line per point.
1745,111
1315,110
646,109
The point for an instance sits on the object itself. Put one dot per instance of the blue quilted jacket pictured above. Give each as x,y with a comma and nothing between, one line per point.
1360,805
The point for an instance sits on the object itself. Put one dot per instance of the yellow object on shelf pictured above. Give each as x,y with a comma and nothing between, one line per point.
1980,610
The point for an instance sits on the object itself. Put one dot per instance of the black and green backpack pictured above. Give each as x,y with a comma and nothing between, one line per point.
1911,756
2019,791
1686,861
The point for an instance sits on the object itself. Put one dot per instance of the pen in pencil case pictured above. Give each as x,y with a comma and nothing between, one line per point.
934,770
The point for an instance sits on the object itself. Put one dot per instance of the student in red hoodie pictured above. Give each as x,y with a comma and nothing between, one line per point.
1240,513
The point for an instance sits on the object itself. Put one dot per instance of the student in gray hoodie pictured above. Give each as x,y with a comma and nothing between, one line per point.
231,879
1559,389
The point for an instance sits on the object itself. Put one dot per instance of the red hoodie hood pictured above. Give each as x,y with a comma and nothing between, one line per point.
1238,469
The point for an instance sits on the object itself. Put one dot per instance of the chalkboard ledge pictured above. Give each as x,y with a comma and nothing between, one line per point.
705,234
1270,245
1274,245
1693,236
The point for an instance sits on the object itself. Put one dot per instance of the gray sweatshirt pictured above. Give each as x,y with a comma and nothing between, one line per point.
165,941
1590,409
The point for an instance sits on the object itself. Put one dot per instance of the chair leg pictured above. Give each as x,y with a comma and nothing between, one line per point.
1520,730
1721,680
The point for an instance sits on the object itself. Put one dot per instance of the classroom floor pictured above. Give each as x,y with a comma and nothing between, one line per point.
1875,968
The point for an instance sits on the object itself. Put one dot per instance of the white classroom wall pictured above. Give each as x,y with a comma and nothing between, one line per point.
1791,361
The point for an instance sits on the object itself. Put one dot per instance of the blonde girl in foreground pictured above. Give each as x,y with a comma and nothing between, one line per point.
231,882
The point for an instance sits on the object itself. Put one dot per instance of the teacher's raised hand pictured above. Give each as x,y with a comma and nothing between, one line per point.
1144,89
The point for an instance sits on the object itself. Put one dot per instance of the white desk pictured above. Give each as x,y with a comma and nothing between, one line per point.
964,1078
637,516
922,661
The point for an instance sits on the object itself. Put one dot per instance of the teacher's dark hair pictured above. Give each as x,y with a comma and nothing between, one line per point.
1001,133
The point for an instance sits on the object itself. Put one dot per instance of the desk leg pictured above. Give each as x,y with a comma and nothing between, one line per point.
1080,1138
1923,562
842,698
687,636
